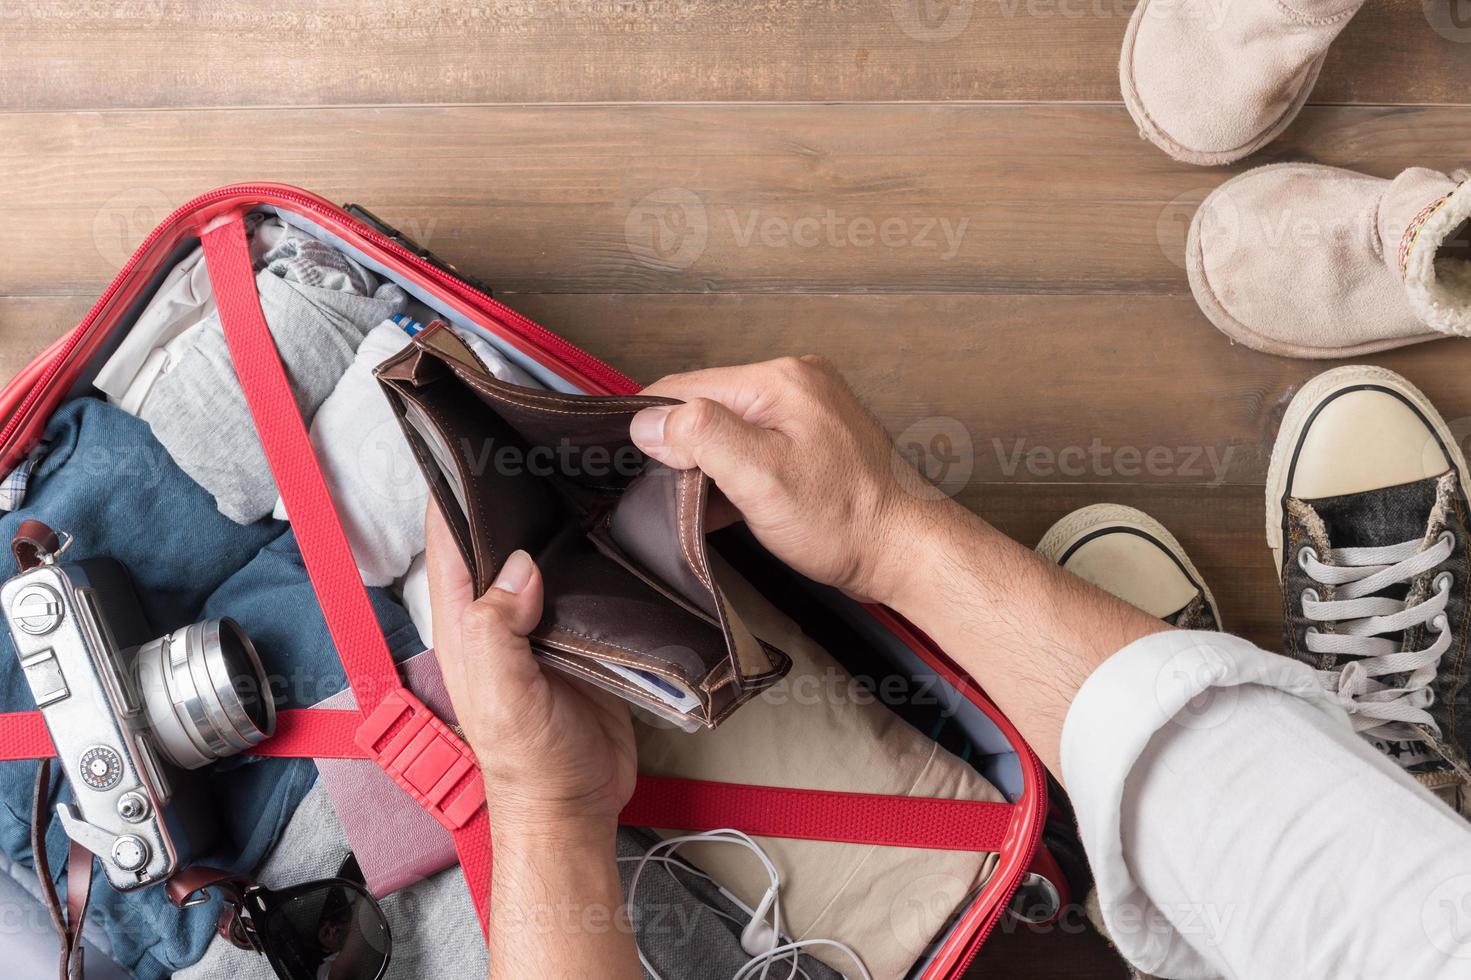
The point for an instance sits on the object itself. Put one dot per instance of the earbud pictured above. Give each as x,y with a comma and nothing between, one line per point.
760,936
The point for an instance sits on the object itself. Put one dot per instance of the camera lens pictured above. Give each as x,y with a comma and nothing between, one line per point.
205,693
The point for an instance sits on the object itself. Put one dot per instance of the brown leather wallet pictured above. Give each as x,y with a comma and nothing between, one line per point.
631,603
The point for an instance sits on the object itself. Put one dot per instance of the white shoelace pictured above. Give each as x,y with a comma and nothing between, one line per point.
1359,620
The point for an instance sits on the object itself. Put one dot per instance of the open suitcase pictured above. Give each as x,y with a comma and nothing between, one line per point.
1024,870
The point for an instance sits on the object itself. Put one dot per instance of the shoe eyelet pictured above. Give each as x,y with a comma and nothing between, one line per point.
1309,595
1449,536
1445,581
1304,554
1440,623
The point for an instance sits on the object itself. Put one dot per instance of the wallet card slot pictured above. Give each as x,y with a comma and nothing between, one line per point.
501,502
598,609
599,603
657,514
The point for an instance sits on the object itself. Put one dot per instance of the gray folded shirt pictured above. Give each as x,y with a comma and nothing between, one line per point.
198,410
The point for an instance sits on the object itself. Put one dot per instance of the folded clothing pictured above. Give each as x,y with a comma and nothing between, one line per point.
182,301
109,483
319,305
272,599
414,589
495,362
13,486
163,331
811,732
370,470
30,941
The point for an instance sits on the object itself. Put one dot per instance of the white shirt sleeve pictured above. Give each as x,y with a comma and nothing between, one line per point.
1238,828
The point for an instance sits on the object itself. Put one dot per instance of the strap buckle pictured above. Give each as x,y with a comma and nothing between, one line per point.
425,758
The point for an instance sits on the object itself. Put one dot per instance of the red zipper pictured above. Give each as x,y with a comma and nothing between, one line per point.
562,353
979,940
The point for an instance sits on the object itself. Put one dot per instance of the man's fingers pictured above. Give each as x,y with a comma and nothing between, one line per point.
450,590
489,631
755,392
493,629
720,512
517,592
706,434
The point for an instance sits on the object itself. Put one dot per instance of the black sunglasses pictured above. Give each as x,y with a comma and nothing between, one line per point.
331,929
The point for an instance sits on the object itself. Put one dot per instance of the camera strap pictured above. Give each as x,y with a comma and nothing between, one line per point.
66,918
32,542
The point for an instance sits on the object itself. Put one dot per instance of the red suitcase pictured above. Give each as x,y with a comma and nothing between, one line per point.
216,219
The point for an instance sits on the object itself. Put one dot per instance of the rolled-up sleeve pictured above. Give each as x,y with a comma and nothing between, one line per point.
1237,826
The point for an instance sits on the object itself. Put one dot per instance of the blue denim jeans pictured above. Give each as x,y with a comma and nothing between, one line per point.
109,483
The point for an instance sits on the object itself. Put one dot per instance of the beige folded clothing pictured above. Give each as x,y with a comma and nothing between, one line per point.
808,732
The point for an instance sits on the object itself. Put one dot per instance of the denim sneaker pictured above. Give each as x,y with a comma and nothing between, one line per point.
1366,518
1129,554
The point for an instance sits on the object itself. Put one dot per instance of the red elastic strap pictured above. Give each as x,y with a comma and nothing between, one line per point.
809,814
23,735
329,561
283,435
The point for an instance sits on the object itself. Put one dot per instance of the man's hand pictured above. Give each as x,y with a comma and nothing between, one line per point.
820,485
554,752
807,466
559,764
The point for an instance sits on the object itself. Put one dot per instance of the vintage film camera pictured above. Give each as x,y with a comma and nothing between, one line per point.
129,712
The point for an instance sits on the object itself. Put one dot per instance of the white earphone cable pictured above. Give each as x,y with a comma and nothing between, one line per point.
765,924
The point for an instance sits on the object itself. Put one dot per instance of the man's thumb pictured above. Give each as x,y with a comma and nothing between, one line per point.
701,433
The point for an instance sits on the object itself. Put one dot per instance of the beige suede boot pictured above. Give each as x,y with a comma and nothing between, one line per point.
1210,81
1304,260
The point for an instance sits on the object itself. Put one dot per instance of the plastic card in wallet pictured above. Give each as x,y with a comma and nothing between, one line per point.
631,604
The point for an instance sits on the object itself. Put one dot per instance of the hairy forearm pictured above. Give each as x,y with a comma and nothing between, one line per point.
557,908
1029,632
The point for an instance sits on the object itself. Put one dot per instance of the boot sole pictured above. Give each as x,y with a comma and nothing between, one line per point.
1073,527
1300,411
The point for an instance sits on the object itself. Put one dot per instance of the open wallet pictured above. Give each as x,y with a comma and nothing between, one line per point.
631,603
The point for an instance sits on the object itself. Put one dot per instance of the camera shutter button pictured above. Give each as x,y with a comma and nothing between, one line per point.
37,610
130,853
133,807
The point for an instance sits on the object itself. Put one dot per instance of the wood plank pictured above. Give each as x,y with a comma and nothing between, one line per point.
680,199
138,53
28,324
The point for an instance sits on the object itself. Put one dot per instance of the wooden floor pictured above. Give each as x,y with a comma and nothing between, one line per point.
943,196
